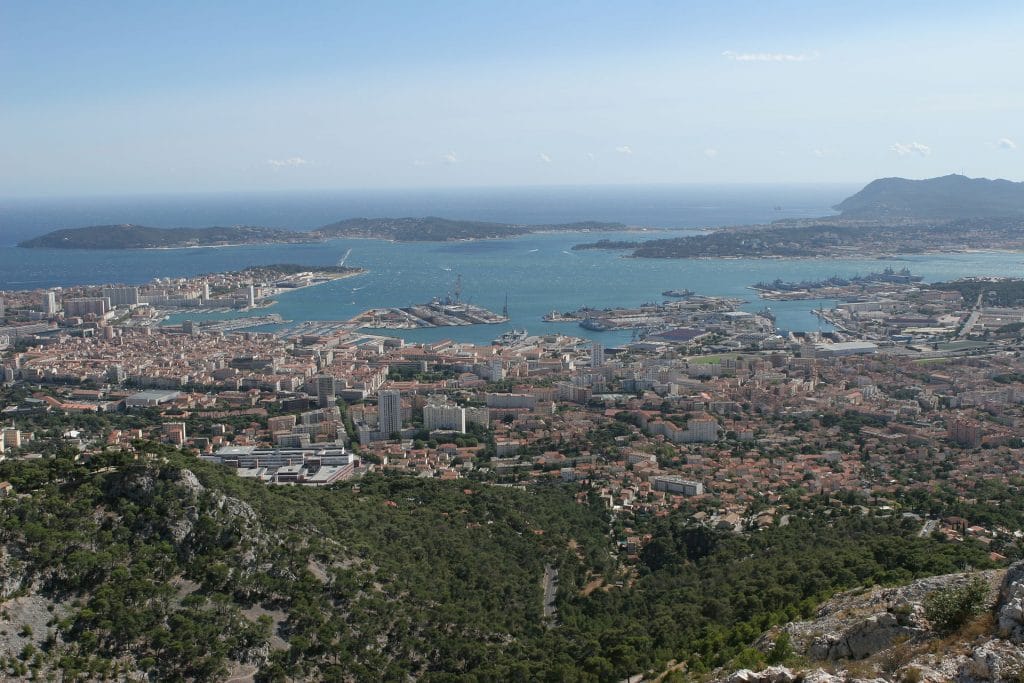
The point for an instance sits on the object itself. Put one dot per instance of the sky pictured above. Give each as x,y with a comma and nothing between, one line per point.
198,96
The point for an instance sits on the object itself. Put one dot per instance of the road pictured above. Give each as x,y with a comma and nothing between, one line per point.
550,590
972,319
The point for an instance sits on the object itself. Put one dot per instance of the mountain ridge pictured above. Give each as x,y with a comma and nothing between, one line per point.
948,197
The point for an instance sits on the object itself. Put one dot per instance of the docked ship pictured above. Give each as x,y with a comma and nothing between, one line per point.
511,338
678,293
597,324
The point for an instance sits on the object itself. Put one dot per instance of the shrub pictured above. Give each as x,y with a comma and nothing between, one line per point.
781,650
950,608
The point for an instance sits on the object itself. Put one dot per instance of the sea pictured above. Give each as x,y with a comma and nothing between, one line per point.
535,274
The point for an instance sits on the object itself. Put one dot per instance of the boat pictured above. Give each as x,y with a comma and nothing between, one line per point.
511,337
597,324
678,293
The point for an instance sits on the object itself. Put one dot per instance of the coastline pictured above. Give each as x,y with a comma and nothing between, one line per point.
881,256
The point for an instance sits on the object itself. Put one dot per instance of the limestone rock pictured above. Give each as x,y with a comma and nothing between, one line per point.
996,660
1010,610
863,639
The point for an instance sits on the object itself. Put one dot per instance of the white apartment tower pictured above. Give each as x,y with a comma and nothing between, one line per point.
444,416
389,412
50,304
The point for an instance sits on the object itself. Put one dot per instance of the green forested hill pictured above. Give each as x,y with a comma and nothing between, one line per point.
172,569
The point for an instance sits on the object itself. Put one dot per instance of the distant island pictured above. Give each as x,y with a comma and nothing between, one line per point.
427,229
434,229
142,237
892,215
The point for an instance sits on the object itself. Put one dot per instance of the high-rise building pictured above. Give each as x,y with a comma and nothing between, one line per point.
596,354
252,296
389,411
12,437
326,390
50,303
175,432
964,432
3,310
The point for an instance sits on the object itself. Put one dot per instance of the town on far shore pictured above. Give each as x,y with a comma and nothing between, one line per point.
709,409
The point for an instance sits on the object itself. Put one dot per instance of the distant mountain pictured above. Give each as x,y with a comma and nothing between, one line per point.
429,229
947,198
142,237
434,229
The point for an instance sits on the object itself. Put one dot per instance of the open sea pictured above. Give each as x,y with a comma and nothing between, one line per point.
537,273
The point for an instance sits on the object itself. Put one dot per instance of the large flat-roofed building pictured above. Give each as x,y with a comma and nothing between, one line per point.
852,348
317,465
528,401
121,296
672,484
83,306
150,399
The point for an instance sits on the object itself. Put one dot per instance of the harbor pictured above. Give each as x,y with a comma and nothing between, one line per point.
434,314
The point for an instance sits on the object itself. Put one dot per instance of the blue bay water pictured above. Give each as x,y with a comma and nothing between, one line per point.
538,273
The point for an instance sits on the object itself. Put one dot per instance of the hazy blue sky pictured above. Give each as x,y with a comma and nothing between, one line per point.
126,97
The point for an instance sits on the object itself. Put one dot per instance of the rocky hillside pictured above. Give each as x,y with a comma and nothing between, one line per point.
904,634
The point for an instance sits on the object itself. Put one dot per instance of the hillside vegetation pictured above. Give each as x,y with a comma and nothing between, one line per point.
169,568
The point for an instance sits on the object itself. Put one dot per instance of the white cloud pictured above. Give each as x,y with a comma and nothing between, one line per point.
544,157
1006,143
768,56
591,156
624,149
287,163
711,153
419,162
907,148
820,153
450,158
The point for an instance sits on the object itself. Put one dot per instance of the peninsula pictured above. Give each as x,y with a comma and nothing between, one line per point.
428,229
892,215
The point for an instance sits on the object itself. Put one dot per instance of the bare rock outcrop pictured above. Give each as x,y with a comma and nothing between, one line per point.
883,635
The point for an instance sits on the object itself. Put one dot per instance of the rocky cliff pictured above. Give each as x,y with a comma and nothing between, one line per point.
885,635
